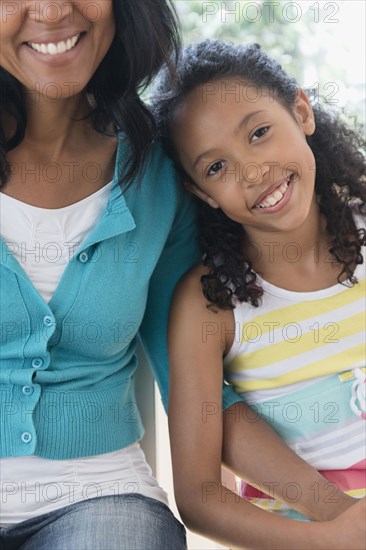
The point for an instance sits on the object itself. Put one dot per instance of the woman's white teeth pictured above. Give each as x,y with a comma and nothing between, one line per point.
275,197
55,49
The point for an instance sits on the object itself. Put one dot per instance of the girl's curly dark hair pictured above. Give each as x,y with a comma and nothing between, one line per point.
340,166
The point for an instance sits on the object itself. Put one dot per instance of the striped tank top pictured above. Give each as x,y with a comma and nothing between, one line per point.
299,360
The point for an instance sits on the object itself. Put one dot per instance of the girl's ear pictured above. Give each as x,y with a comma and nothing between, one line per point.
192,188
304,113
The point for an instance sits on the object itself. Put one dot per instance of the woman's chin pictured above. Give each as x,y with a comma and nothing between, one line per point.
54,90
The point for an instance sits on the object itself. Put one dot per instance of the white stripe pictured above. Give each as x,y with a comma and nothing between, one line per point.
342,446
342,431
343,462
302,360
312,325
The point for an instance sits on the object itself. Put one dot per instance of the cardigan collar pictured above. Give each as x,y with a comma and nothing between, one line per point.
116,218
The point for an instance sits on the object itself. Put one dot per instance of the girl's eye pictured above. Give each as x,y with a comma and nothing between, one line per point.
214,168
259,133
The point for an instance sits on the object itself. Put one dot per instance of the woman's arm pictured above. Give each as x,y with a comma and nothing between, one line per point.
180,253
196,428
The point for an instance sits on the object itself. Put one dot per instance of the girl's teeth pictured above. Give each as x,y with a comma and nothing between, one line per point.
272,201
276,196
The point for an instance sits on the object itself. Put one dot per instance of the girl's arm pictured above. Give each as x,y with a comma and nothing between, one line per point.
256,453
196,346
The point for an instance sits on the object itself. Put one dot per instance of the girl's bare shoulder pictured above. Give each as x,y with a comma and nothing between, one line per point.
189,297
189,287
191,314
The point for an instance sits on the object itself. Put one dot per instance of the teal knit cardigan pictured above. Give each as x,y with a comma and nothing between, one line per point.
67,367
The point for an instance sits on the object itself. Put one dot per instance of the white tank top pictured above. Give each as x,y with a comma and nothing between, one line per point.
43,241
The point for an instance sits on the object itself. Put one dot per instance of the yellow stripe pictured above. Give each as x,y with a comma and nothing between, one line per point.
306,310
349,375
330,365
332,333
268,504
357,493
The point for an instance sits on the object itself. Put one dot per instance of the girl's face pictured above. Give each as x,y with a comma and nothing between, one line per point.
54,48
248,155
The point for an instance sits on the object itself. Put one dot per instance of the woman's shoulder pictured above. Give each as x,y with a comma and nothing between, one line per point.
157,188
160,177
157,160
157,164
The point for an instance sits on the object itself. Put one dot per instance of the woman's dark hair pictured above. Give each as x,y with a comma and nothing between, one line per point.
147,36
336,149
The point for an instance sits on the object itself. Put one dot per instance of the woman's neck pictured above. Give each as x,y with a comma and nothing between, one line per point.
61,159
55,126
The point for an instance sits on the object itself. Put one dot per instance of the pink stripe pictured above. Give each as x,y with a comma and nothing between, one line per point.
352,478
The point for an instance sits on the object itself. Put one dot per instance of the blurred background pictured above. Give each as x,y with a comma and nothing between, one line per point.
322,44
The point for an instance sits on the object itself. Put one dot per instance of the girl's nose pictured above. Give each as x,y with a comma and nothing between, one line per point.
254,173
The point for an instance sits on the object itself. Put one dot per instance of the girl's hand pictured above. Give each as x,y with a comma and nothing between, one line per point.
280,465
348,531
326,512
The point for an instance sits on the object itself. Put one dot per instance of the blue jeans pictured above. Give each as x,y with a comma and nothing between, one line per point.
120,522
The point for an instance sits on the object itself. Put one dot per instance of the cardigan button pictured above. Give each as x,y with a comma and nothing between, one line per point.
83,257
27,390
48,321
37,362
26,437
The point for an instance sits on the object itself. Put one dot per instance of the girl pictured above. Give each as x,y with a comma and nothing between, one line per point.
279,296
88,261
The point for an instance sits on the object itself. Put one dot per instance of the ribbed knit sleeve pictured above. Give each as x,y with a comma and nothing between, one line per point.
181,252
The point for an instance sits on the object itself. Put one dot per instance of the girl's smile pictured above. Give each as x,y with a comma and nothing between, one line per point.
276,196
251,159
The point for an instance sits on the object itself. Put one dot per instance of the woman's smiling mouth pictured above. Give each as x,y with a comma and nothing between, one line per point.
50,49
54,49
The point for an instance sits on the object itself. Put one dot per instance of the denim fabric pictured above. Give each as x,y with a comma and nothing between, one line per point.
120,522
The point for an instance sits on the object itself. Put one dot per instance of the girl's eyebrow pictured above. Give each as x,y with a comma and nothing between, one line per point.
242,123
247,118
